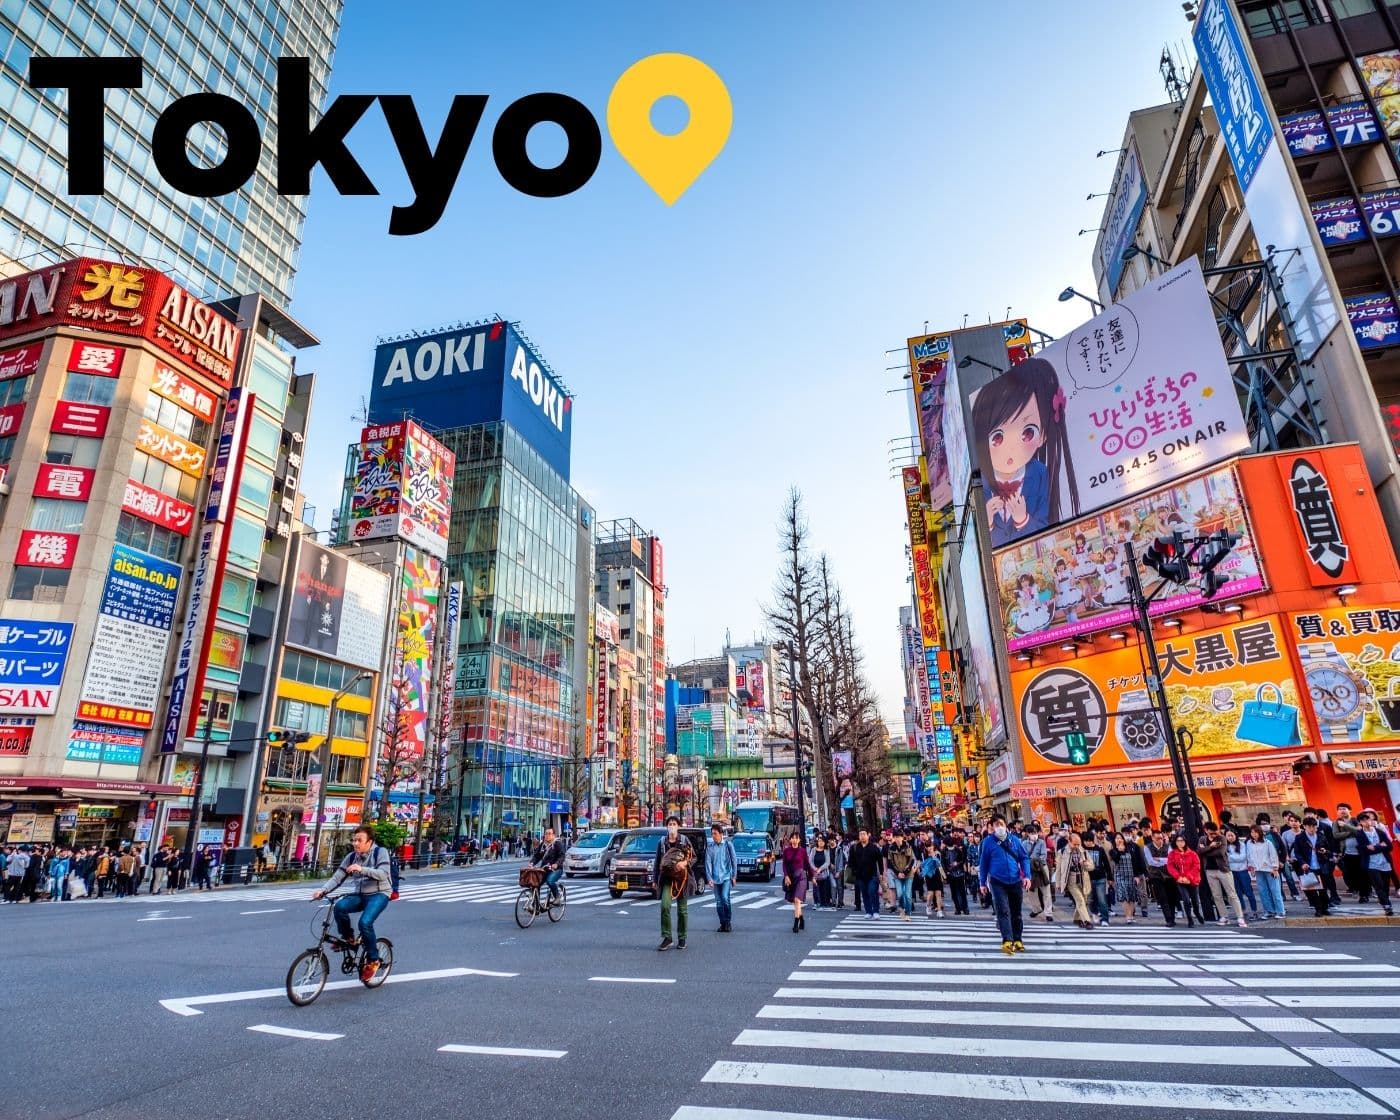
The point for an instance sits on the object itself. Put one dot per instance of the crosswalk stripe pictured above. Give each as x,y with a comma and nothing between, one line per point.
1002,1047
1330,1002
1327,968
899,964
983,995
1053,1090
1222,1024
974,980
1362,1026
1311,981
692,1112
761,903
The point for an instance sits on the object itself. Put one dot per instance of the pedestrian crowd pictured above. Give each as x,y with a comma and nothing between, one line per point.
55,873
1236,873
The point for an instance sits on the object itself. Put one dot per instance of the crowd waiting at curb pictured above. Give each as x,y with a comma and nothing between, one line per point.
53,873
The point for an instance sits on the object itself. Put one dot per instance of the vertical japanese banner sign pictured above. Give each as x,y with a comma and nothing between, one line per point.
1317,520
418,618
208,574
1275,208
928,370
447,674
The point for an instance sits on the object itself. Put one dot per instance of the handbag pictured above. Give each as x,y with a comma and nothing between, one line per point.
1309,881
76,887
1270,722
848,876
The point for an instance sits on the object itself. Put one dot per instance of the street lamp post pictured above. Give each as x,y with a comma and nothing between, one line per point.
363,674
197,810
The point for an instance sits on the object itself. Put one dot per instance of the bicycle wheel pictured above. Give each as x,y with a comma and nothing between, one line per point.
525,908
556,904
386,963
307,977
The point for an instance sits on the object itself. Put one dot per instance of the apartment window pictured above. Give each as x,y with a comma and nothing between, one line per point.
346,770
301,715
56,515
39,585
1215,227
170,415
14,390
351,725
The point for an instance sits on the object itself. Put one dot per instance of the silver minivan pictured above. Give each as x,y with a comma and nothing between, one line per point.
593,852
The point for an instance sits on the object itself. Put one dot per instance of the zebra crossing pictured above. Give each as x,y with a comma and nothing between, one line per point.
493,889
882,1017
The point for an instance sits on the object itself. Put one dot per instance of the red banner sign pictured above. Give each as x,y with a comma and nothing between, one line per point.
175,387
39,548
121,299
57,481
20,362
10,417
1317,513
160,509
97,358
80,419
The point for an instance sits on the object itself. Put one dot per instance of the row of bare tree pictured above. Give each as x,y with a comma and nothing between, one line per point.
809,619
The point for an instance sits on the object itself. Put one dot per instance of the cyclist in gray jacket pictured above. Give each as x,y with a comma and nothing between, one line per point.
367,869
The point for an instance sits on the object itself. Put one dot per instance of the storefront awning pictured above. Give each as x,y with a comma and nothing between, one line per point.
1258,768
84,787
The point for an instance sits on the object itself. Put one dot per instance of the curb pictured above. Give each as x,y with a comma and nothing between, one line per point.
1343,920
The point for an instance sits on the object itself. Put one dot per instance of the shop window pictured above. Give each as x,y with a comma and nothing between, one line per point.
39,585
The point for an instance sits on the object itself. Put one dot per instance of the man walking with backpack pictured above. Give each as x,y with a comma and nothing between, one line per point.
1004,872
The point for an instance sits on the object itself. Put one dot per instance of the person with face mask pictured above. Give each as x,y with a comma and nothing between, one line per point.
1376,846
671,872
1004,874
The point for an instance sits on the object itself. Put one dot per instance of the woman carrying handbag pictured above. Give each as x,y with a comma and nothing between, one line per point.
1184,868
797,869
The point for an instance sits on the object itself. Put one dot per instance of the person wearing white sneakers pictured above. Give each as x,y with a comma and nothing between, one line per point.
1215,862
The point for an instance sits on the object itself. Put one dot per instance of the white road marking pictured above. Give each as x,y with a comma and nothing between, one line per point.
1038,1091
1346,1057
1363,1026
1061,1050
974,980
633,979
1323,970
991,965
1330,1002
186,1005
292,1032
924,995
279,910
509,1051
1221,1024
1312,981
762,902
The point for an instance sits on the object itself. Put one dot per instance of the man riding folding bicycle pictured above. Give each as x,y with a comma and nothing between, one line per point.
549,854
367,867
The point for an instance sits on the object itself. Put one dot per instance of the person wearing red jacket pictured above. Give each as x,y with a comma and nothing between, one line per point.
1184,867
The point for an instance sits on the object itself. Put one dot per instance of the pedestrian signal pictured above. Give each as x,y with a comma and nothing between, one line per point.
1078,746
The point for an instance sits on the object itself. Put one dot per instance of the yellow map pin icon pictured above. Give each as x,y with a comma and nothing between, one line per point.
669,164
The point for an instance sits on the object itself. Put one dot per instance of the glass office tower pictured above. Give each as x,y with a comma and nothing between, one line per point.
242,242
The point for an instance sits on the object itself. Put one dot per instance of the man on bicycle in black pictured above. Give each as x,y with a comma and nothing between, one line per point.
367,866
549,854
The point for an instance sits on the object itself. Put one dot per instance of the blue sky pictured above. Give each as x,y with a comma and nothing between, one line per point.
889,164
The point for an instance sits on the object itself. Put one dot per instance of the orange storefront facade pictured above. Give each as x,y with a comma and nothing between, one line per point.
1290,695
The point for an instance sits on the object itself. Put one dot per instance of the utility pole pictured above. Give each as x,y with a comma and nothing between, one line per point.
325,760
197,809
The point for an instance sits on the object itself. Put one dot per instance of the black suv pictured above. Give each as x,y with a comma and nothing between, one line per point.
631,868
758,859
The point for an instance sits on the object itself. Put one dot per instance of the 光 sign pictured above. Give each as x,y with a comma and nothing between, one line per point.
474,375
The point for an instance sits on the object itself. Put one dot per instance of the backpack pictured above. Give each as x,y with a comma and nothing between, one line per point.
931,866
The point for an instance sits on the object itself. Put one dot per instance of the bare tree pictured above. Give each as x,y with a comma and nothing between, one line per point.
397,759
577,767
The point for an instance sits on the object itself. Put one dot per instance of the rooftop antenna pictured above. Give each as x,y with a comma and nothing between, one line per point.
1171,77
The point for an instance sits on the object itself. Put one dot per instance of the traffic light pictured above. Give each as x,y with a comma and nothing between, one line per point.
1078,746
1217,548
280,738
1167,557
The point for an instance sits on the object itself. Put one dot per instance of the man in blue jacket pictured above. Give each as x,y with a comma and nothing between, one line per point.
722,872
1004,871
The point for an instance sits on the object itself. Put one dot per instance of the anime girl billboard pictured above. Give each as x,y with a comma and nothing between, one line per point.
1134,398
